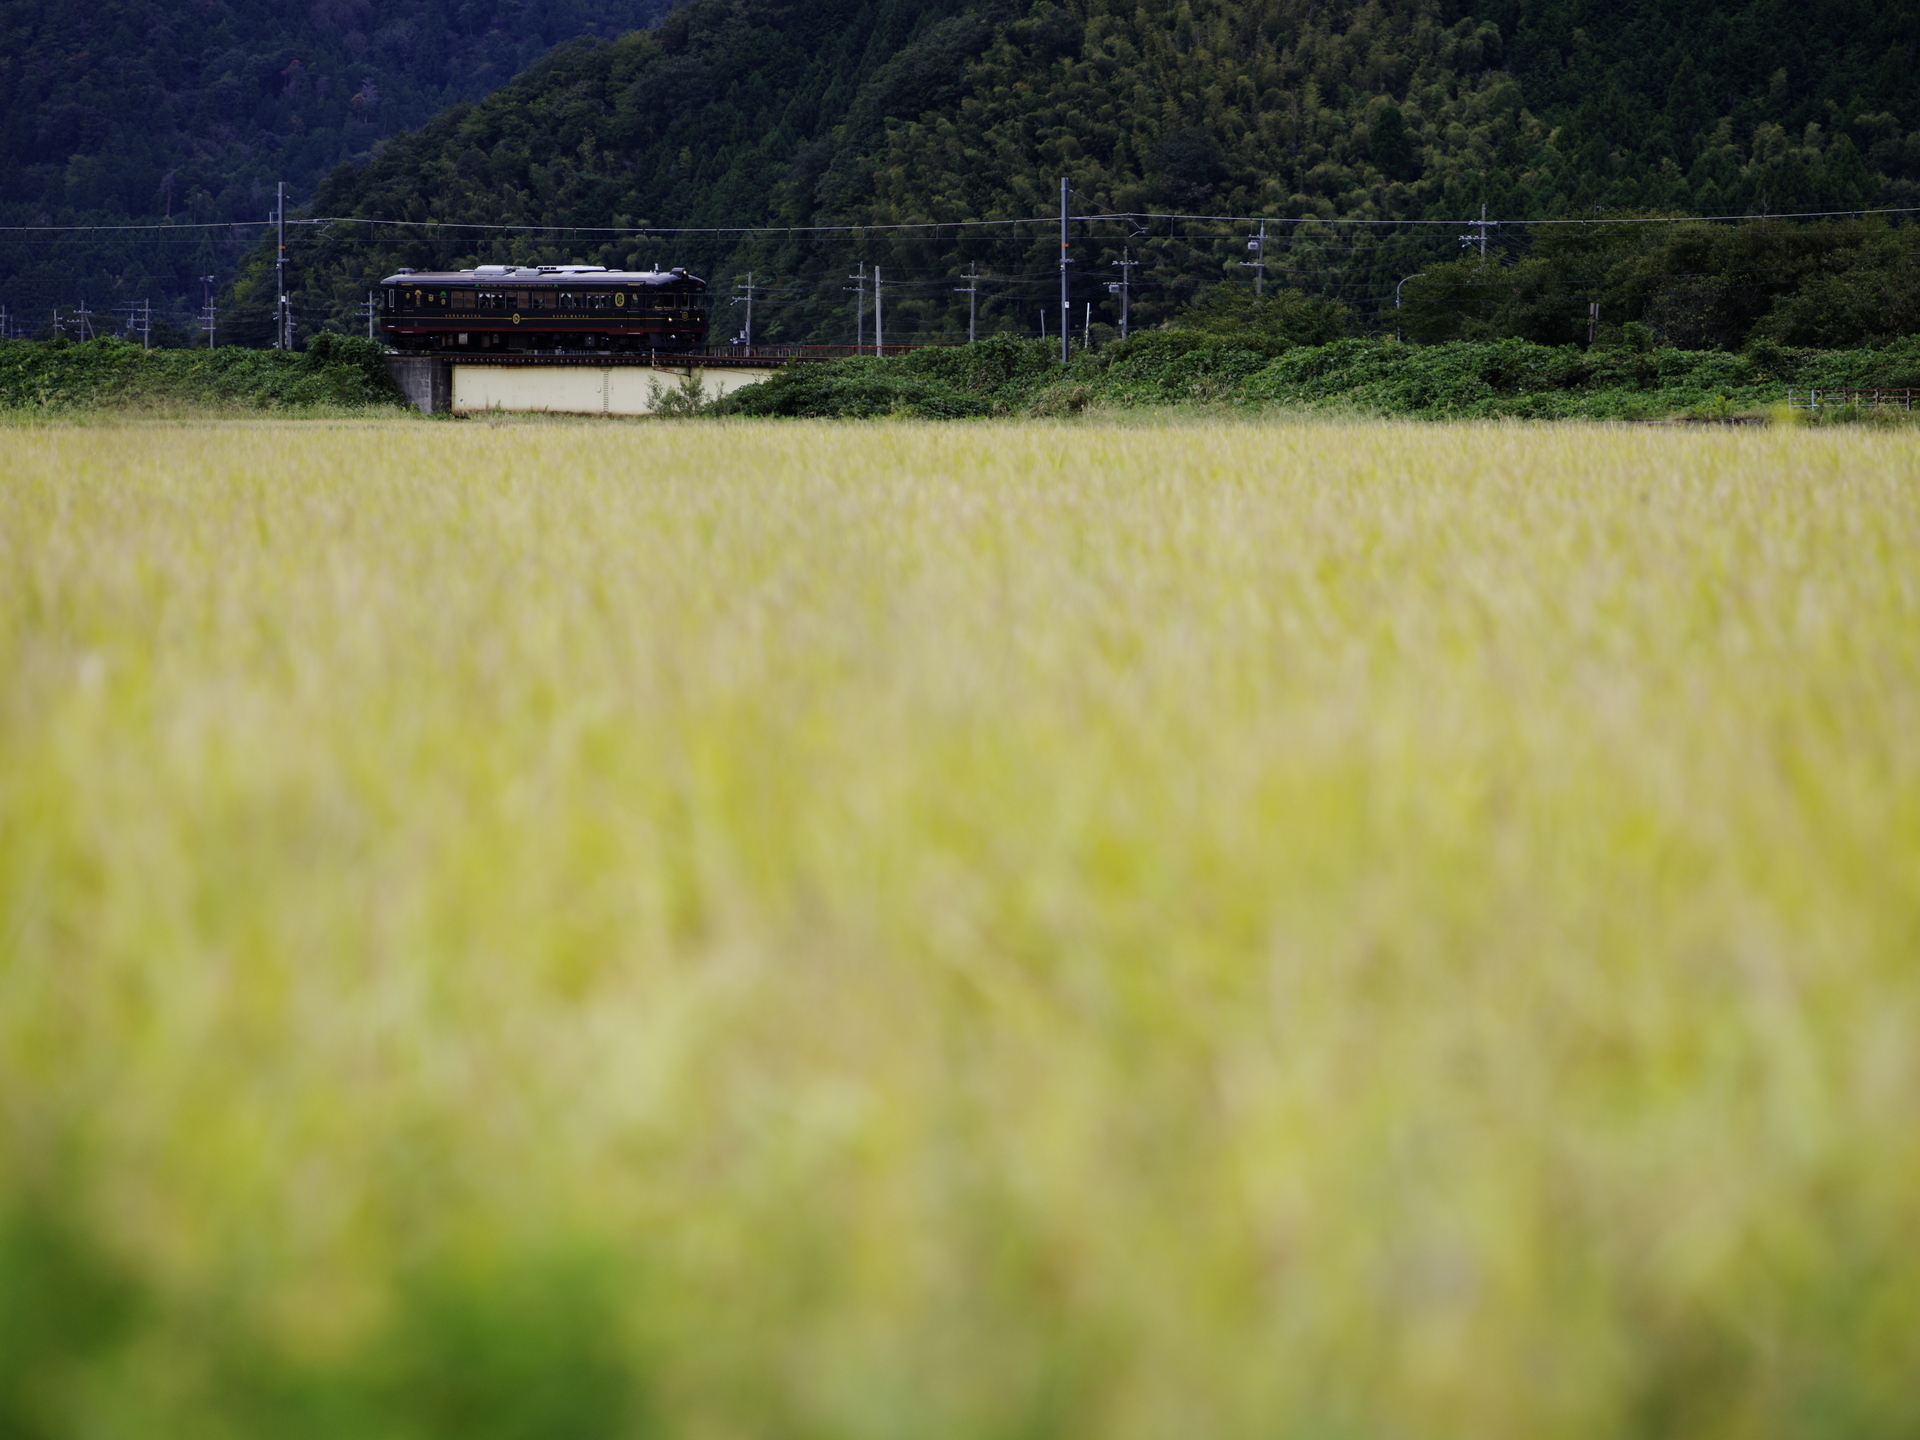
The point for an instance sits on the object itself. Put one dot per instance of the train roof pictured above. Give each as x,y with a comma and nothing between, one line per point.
541,274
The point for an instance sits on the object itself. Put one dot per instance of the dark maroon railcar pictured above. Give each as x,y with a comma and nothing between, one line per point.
546,308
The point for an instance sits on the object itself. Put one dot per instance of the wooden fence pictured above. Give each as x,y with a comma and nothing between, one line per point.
1883,399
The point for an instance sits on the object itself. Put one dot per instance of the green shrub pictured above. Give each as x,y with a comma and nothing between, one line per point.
333,371
852,390
1284,318
1510,378
65,1306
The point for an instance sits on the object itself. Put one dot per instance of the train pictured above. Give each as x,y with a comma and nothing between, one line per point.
543,309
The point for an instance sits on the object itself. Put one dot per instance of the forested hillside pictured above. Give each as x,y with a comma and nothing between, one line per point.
714,119
127,110
737,113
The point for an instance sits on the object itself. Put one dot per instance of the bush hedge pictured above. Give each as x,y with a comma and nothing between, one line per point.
1008,377
1463,379
333,371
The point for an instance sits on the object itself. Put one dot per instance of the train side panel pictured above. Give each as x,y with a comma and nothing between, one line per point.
579,311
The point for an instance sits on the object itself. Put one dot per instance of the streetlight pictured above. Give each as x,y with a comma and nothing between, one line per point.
1396,299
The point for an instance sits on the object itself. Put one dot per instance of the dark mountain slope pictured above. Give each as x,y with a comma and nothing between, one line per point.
1262,107
122,110
1644,89
709,120
744,111
694,123
139,108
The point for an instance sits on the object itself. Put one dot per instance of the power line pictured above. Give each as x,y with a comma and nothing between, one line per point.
885,227
1357,274
157,225
653,230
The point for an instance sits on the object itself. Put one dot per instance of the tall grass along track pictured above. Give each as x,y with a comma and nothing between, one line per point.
736,930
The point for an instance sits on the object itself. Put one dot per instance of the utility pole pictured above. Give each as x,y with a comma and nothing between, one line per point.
1258,244
1482,225
282,328
6,324
1066,314
748,290
372,309
859,288
879,328
83,317
1123,287
1086,326
972,291
1593,321
206,307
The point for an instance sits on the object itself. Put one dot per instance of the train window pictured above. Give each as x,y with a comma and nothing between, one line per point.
564,301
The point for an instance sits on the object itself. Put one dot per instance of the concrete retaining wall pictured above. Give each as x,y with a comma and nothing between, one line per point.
438,384
586,389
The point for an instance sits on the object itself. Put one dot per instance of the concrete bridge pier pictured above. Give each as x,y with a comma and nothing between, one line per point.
426,381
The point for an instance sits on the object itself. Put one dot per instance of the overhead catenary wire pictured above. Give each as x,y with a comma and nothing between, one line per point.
1160,225
1336,256
884,227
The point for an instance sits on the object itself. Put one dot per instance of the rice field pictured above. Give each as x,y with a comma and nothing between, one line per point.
902,932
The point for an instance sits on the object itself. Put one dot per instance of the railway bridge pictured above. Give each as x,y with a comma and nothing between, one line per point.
589,383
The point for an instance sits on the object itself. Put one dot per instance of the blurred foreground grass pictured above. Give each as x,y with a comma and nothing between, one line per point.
524,933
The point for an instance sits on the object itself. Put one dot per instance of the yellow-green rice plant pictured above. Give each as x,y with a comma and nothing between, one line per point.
959,932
